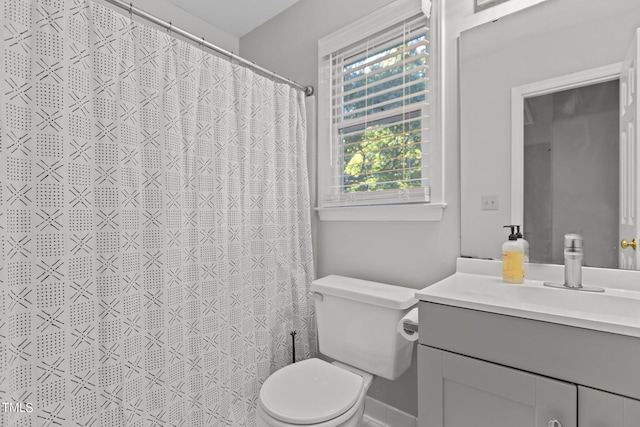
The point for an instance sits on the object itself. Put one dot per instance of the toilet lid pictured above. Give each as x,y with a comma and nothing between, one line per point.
311,391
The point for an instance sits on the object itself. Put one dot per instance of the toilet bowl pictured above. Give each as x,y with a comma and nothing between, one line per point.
357,326
313,393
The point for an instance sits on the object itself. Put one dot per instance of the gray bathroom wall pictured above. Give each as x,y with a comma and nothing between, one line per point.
412,254
169,12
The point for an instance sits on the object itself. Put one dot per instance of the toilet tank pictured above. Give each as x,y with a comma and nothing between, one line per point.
357,324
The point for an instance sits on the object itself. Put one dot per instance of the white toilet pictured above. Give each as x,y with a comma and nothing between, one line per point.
357,322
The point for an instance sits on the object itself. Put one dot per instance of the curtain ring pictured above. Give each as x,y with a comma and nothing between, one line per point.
131,9
169,27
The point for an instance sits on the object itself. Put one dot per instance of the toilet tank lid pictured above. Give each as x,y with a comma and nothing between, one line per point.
381,294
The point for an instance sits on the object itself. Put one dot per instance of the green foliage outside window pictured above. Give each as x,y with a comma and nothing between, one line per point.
383,157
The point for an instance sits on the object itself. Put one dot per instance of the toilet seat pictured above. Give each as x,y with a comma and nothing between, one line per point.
310,392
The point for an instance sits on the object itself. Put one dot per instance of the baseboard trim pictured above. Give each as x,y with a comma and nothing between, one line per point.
387,416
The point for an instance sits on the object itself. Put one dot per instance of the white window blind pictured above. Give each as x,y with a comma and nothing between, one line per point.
379,118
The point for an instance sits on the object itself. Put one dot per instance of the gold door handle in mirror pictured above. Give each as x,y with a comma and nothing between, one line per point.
625,244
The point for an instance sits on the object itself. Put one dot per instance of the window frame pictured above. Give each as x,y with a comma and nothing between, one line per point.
394,13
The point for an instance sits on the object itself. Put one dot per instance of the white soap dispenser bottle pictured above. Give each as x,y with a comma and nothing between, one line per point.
512,258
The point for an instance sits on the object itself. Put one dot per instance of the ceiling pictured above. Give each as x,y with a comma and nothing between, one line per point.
237,17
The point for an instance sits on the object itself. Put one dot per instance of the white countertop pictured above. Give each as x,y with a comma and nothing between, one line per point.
477,286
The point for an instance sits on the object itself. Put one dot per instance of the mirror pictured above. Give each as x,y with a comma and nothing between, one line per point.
515,51
570,172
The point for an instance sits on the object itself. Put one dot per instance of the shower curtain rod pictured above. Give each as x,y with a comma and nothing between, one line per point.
308,90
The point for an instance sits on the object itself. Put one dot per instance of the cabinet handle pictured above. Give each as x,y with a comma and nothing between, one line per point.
554,423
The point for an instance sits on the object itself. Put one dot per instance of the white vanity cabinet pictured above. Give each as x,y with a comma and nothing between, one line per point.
458,391
493,354
478,369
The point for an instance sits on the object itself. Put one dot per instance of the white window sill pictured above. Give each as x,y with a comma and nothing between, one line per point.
409,212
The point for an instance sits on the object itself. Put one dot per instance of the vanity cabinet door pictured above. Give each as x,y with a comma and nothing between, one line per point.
599,409
457,391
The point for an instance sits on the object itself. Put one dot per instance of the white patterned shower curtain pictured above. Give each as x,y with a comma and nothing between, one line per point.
154,224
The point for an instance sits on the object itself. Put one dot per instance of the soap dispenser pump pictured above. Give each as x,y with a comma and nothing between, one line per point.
524,243
512,258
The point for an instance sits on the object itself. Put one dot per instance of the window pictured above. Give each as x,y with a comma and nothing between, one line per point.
375,111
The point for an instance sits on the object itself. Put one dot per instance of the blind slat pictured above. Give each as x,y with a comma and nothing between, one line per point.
391,196
374,101
376,83
375,117
393,135
349,69
409,27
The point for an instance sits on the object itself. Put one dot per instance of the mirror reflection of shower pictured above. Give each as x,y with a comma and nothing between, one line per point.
571,155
